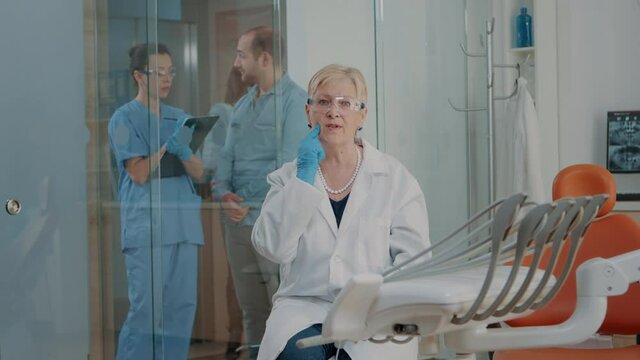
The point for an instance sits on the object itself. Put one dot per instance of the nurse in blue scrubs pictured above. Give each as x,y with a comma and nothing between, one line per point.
160,215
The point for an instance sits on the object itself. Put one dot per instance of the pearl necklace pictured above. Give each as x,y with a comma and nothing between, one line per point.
342,189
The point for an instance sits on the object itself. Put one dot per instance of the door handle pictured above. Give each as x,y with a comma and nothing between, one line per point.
13,206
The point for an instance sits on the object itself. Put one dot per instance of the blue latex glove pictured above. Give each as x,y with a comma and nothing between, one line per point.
178,143
310,153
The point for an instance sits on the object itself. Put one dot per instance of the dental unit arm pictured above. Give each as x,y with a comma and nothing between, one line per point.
479,278
597,279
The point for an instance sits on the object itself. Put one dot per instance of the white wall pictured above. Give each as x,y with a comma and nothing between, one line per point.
332,31
419,65
586,63
598,52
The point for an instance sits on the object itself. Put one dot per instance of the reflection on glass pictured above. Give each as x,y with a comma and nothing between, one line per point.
160,318
236,88
446,150
255,142
203,38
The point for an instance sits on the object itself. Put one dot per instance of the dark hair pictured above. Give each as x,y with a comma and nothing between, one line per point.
263,39
139,56
235,87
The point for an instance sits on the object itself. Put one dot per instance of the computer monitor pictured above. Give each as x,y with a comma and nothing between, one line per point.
623,141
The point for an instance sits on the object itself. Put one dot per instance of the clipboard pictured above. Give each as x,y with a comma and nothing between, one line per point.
170,164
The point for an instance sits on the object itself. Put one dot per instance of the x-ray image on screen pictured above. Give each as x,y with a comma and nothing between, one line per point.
623,141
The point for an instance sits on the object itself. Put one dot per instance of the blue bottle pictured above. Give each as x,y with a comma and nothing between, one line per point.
523,29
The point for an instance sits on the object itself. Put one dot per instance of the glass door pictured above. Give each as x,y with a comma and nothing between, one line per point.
44,266
421,68
68,270
152,233
197,293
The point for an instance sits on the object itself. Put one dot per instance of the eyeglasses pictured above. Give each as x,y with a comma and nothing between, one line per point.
343,103
161,72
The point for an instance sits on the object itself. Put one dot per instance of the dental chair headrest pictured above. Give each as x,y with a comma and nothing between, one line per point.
583,180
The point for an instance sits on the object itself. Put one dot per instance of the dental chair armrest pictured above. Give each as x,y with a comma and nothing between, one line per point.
348,316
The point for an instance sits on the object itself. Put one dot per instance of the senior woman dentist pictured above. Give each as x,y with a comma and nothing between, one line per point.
341,208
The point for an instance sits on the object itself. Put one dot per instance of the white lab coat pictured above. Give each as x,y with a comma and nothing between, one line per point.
384,222
518,150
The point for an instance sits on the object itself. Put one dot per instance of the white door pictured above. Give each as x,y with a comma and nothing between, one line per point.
44,312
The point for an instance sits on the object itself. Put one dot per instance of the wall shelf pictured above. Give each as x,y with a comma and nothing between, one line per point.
523,50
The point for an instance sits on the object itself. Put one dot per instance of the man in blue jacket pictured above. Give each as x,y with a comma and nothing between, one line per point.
265,129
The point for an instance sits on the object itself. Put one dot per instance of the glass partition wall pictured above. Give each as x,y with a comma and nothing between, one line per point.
178,273
420,68
44,187
103,252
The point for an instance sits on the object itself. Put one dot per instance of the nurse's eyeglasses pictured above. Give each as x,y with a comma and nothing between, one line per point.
161,72
342,103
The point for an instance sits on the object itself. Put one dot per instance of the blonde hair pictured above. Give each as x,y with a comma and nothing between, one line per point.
335,71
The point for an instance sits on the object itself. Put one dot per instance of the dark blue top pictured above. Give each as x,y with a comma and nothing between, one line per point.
338,208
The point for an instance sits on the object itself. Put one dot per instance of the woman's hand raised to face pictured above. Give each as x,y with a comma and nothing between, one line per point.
310,153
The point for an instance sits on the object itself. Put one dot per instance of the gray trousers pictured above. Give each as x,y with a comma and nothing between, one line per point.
255,279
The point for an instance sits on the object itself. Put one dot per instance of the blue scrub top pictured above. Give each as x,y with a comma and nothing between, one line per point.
264,132
170,204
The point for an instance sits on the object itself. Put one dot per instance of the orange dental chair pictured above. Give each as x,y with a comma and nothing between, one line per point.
609,235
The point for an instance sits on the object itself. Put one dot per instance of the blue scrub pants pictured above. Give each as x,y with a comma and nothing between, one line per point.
160,318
